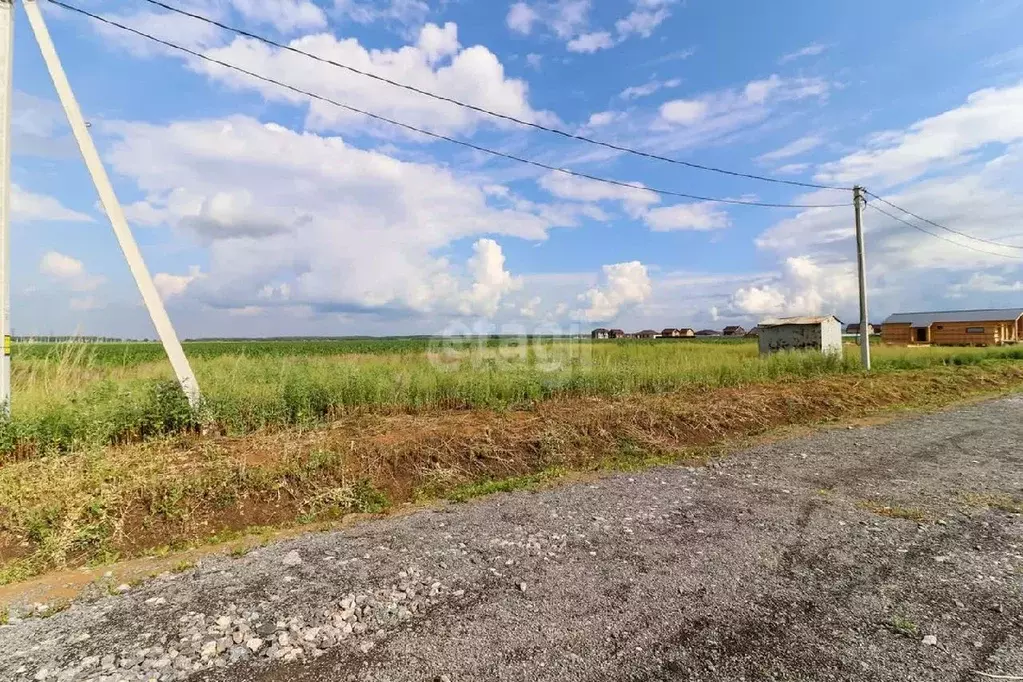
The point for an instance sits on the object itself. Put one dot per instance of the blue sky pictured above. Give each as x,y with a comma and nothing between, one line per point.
262,213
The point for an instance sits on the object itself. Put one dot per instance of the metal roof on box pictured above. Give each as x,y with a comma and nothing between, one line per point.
927,319
805,319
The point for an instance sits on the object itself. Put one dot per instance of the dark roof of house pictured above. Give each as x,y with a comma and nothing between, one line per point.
647,331
669,330
927,319
708,332
599,329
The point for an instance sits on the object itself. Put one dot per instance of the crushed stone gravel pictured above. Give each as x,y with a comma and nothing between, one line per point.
787,561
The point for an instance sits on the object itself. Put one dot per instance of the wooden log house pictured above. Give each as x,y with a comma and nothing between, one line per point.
992,327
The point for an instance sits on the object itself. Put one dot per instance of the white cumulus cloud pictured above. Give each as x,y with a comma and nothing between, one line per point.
699,217
581,189
491,282
624,285
521,18
28,206
170,285
732,108
794,148
981,199
436,62
641,22
569,20
351,231
529,309
68,271
987,282
175,28
685,111
603,118
60,266
648,88
284,15
590,42
992,115
803,288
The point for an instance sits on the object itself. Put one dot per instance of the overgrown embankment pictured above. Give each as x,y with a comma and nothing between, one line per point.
99,503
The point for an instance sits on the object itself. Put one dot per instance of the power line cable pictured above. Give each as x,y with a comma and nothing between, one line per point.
488,112
439,136
938,236
943,227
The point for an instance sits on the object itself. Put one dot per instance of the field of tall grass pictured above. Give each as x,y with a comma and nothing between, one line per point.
73,395
87,476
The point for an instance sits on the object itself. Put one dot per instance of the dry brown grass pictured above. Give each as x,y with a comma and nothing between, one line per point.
1001,502
101,504
893,511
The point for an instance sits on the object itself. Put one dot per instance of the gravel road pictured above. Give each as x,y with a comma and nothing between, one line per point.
790,561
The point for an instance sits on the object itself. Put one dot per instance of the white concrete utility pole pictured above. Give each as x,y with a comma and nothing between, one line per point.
151,297
858,201
6,87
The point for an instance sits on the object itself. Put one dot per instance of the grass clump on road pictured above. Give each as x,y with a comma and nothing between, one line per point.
901,625
1005,503
464,493
894,511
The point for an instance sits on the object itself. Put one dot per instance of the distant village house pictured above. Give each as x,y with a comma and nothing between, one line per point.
670,333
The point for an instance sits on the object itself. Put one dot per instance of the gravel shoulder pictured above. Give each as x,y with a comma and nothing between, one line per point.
891,552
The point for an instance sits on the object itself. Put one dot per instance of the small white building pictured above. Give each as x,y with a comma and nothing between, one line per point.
822,334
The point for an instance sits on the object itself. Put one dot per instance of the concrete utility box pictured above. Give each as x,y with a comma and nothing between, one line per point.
822,334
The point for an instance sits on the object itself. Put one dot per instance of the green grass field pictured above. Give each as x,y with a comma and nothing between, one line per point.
93,467
73,395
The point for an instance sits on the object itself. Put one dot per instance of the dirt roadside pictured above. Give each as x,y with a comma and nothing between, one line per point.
891,552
